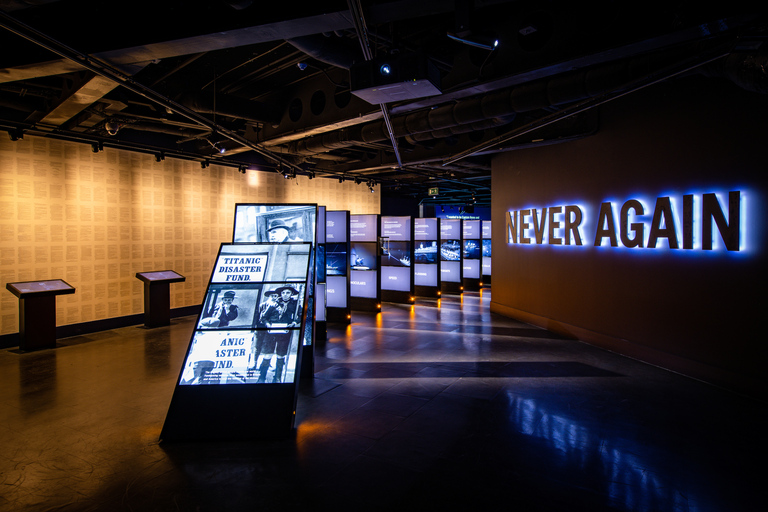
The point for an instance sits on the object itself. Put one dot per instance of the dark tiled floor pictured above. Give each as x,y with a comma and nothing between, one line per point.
442,406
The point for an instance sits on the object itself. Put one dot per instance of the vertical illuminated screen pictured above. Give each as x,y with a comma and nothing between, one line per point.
251,324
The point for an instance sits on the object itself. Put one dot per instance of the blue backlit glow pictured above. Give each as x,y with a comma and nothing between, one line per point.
699,221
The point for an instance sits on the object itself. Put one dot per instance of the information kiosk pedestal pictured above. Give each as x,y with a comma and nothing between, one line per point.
37,311
157,296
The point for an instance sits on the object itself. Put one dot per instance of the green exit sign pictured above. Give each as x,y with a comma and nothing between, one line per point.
433,191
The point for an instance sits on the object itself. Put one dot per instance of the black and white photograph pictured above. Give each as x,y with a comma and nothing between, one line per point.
450,250
218,357
228,307
277,331
396,254
425,252
275,223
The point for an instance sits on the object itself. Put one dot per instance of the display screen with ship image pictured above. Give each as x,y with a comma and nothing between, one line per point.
396,254
450,250
336,259
425,252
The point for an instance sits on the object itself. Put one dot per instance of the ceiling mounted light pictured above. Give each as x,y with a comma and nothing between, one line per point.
204,164
16,135
112,127
159,157
96,147
302,65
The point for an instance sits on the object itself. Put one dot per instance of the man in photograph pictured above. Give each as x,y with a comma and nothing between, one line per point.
224,312
278,317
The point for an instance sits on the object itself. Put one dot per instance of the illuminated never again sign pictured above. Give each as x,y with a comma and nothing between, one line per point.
635,224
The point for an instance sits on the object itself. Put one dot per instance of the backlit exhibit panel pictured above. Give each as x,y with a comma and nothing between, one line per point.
362,256
336,291
486,257
278,223
321,224
450,229
363,284
450,250
335,226
396,254
425,229
486,229
335,260
471,229
472,249
250,326
320,302
424,275
396,228
471,269
396,279
450,271
363,228
426,252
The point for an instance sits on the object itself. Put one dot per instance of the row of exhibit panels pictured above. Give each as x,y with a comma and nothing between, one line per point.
364,259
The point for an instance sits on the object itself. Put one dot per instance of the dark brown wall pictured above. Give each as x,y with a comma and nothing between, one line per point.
697,312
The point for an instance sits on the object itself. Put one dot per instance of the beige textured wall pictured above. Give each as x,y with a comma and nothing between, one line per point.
95,219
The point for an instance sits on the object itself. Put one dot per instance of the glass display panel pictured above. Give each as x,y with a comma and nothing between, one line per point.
276,223
336,292
424,229
471,229
363,228
450,229
362,256
396,254
321,224
487,229
450,250
486,266
450,271
396,228
425,252
251,323
336,226
362,283
396,279
335,260
321,263
425,275
486,248
471,269
472,249
320,302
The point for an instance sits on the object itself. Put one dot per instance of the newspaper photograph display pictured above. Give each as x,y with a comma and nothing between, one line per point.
252,319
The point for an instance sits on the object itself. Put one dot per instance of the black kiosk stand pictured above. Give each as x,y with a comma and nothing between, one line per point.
37,312
157,296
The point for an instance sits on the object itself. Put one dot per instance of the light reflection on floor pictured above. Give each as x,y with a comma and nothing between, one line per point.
437,405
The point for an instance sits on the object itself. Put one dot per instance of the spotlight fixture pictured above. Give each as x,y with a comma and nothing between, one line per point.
371,184
358,181
221,149
96,147
159,157
16,135
341,179
204,164
242,169
302,65
311,175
